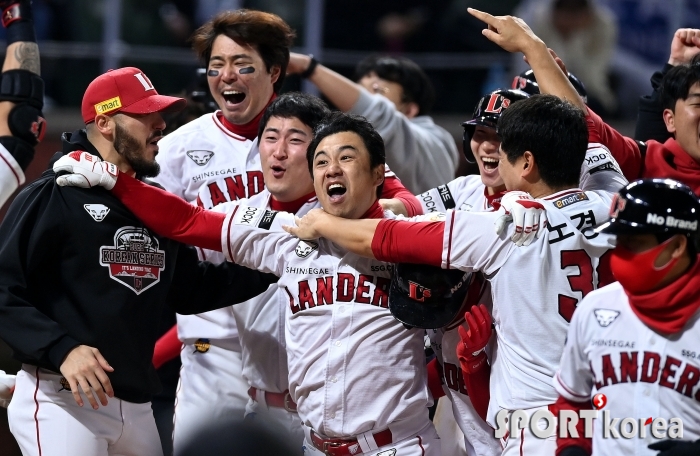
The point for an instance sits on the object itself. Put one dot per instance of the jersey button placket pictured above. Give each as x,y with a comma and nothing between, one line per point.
335,397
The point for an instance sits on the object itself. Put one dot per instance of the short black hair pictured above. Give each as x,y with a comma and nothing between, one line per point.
310,110
553,130
416,85
338,122
676,84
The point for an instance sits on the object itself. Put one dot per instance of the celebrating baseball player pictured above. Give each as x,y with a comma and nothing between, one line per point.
22,125
339,332
83,282
216,159
535,289
396,96
631,349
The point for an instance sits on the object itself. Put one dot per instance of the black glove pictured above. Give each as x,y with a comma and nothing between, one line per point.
673,447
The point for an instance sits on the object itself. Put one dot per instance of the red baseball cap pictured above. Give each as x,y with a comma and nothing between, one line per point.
126,90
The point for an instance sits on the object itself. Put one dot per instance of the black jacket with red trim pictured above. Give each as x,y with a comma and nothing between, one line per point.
76,267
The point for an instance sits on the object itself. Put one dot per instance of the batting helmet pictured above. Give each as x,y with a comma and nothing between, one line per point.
526,82
486,114
425,296
654,206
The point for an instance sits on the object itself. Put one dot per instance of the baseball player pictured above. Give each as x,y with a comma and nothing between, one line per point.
83,282
535,289
216,159
22,125
631,349
396,96
338,330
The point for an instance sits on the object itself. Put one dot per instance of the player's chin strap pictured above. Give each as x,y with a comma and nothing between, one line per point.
25,120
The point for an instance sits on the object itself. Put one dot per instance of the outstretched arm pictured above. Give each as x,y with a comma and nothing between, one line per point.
22,125
514,35
386,240
163,212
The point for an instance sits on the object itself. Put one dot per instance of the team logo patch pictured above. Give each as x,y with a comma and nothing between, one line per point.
391,452
304,248
108,105
266,220
201,346
418,292
568,200
605,317
135,260
97,211
200,157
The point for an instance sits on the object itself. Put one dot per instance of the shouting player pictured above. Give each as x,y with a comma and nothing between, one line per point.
632,346
339,331
535,289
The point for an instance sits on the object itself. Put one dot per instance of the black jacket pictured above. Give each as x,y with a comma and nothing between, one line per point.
76,267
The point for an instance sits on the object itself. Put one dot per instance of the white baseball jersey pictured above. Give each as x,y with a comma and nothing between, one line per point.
353,367
599,171
261,320
478,435
11,175
643,374
206,164
535,289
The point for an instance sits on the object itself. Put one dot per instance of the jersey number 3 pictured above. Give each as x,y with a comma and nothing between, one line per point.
583,281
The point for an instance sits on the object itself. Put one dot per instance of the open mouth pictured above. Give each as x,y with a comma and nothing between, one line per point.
336,191
277,171
233,96
490,164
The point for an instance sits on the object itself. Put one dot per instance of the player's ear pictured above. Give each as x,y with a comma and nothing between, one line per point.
670,120
378,174
104,124
528,163
411,109
275,73
679,245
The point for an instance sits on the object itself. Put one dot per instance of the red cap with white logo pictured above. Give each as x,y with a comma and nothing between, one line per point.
126,90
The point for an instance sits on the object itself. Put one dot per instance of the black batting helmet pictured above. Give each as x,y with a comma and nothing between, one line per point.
526,82
427,297
654,206
486,114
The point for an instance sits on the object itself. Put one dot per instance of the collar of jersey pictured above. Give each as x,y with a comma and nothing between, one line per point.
290,206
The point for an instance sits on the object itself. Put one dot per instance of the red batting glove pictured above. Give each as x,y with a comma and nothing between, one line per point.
471,352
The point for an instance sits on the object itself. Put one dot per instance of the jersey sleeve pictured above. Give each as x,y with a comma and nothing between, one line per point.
30,238
625,150
11,175
253,237
600,171
470,242
573,379
441,199
201,286
170,158
393,188
169,215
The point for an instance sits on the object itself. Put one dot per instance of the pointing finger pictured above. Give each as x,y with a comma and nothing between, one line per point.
482,16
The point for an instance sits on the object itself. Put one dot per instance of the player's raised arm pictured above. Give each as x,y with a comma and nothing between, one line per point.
163,212
22,125
514,35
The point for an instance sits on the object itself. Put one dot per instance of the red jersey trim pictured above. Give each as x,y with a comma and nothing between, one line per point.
449,243
562,193
228,233
567,389
36,412
19,182
223,128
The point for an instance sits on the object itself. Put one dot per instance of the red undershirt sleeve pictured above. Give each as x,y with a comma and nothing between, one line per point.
582,442
167,347
169,215
435,379
398,241
477,385
393,188
625,150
